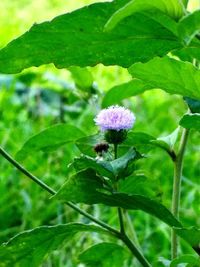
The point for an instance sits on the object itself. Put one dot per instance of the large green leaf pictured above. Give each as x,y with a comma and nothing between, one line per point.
103,255
172,8
122,91
191,121
86,187
30,247
189,26
193,104
78,38
173,76
50,139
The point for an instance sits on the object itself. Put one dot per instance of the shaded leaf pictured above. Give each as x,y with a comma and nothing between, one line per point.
193,104
191,235
182,77
50,139
191,121
86,144
123,91
78,39
33,245
189,26
103,255
86,187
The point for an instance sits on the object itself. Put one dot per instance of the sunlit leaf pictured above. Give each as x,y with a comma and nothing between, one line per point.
170,75
172,8
50,139
78,39
123,91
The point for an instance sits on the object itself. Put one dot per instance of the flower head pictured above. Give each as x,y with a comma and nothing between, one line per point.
115,118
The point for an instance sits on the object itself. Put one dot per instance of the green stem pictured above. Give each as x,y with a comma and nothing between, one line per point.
134,250
120,214
178,166
53,192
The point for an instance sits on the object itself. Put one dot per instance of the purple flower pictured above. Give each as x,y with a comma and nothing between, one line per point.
115,118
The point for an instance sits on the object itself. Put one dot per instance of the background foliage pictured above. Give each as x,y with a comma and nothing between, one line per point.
40,97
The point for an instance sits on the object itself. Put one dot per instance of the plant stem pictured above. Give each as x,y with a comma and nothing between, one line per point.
113,231
53,192
178,166
120,214
134,250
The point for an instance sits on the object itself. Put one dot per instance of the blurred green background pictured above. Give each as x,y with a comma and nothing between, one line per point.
40,97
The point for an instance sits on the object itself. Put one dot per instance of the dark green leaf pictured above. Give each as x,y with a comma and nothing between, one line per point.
99,166
191,235
189,26
125,165
86,144
172,8
182,77
122,91
78,39
50,139
193,104
103,255
86,187
191,121
30,247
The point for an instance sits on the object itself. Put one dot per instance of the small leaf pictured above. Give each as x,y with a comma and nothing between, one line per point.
103,255
50,139
123,91
86,144
33,245
172,8
167,142
191,121
99,166
189,26
193,104
193,260
182,77
125,165
82,77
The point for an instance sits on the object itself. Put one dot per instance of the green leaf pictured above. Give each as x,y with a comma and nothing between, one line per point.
125,165
115,169
104,255
86,187
193,260
82,77
189,26
86,144
50,139
191,235
191,121
193,104
78,39
99,166
122,91
182,77
33,245
172,8
167,142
